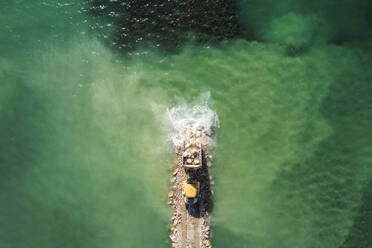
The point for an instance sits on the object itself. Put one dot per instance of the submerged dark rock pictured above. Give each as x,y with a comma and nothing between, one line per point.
168,24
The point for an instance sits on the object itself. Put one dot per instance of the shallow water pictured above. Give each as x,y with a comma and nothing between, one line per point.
85,150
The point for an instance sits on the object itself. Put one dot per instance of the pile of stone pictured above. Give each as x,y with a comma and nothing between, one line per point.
192,156
173,198
205,230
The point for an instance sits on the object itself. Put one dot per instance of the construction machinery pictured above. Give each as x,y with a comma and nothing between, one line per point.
190,191
192,156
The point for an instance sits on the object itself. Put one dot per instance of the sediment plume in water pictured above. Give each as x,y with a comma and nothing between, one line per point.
83,158
184,117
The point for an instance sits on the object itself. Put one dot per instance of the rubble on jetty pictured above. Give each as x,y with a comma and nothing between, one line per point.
191,137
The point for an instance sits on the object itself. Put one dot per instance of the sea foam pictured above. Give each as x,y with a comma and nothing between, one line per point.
196,118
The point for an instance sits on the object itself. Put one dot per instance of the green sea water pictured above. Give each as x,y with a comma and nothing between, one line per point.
84,149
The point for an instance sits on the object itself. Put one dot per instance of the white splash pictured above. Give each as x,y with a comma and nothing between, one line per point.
192,124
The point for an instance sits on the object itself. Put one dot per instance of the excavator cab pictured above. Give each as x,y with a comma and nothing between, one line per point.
190,191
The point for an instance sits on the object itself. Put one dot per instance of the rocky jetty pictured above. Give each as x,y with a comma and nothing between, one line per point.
191,227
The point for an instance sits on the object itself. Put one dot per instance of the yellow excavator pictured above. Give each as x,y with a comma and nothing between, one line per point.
190,191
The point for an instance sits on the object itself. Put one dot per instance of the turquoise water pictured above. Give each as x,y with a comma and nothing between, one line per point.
84,150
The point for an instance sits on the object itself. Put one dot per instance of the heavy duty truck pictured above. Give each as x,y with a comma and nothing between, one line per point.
192,161
192,156
190,191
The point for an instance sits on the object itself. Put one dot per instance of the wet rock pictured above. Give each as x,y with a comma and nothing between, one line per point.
172,237
208,243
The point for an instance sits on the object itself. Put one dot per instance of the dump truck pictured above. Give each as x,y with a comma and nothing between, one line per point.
190,191
192,156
